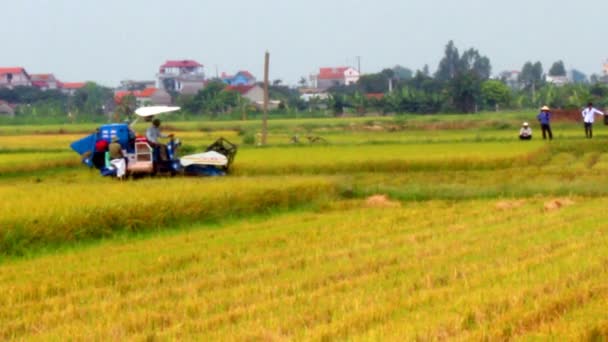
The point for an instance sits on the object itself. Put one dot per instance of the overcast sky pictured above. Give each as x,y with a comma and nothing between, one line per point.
110,40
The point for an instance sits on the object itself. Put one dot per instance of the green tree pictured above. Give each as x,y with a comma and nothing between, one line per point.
212,99
374,83
126,107
531,75
465,91
91,98
449,64
495,93
471,60
336,104
402,73
578,76
578,95
557,69
359,102
463,76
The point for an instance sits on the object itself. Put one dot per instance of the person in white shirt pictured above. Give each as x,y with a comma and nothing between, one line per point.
525,133
588,118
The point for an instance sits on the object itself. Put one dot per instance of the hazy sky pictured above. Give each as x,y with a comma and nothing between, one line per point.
110,40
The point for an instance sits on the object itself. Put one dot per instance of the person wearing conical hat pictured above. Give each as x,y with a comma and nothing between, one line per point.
525,133
544,118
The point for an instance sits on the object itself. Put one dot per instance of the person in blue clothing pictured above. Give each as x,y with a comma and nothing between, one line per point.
544,117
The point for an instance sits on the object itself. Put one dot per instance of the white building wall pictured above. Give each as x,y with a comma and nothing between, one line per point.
351,76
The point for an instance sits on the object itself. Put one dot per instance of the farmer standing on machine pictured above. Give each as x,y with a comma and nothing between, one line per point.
588,117
545,122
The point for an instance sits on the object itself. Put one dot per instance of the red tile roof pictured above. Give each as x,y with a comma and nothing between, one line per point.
242,89
181,64
119,95
72,85
332,73
42,77
148,92
12,70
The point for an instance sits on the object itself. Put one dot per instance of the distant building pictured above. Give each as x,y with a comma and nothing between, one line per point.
178,75
153,96
242,77
511,78
605,68
332,77
14,77
44,81
557,80
135,85
146,97
253,93
70,88
307,94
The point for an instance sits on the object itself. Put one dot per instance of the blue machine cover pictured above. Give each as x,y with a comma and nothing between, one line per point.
106,132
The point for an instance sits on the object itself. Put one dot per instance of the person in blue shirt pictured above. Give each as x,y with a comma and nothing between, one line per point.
544,117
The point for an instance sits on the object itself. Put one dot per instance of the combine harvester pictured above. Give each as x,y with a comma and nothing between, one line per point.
143,159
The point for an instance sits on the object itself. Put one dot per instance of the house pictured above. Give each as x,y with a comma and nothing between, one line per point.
333,77
6,109
242,77
255,94
70,88
605,68
145,97
44,81
511,78
135,85
557,80
192,88
153,96
308,94
14,77
177,75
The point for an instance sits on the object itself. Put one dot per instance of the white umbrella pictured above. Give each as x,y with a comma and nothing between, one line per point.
154,110
207,158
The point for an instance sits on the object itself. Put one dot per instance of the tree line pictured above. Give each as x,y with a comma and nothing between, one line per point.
462,83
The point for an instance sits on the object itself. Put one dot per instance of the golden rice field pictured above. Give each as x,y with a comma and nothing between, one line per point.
434,270
398,229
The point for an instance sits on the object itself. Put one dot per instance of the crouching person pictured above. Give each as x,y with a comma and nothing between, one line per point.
525,133
117,158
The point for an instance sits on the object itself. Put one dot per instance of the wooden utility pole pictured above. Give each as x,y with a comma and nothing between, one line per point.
265,117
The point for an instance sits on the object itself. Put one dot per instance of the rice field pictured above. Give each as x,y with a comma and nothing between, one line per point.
416,228
347,272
